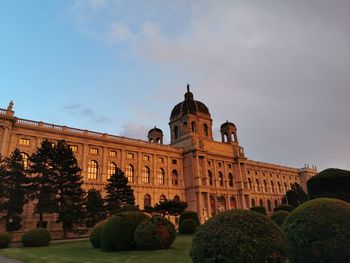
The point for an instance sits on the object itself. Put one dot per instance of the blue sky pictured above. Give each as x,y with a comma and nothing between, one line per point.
279,69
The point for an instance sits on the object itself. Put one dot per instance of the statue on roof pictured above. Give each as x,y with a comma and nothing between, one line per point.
10,106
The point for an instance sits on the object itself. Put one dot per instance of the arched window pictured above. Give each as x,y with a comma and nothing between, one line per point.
233,137
226,137
265,186
285,187
212,205
269,207
205,129
162,198
174,177
253,202
147,200
276,203
261,202
257,185
176,198
210,177
279,187
92,170
176,132
222,204
193,126
221,179
161,176
111,169
233,202
249,183
25,159
146,175
130,173
272,187
230,180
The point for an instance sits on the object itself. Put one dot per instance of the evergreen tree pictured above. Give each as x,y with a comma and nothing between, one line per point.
119,193
44,180
295,196
14,190
94,206
167,207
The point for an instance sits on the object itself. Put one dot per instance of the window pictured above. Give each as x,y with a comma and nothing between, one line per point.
269,207
146,158
208,163
261,202
25,159
233,202
176,198
279,187
161,175
229,166
74,148
146,175
210,177
176,132
253,202
265,186
219,164
161,159
162,198
221,179
129,172
24,142
130,156
174,161
112,153
111,169
147,200
93,151
92,170
205,129
230,180
193,126
174,177
272,187
249,183
257,185
276,203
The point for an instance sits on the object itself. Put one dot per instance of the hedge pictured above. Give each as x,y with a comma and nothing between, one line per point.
38,237
279,216
284,207
5,240
259,209
188,226
95,235
189,214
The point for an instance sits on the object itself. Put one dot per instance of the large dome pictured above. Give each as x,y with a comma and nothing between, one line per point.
189,105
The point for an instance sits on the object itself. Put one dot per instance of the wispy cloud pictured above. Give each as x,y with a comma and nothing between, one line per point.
78,110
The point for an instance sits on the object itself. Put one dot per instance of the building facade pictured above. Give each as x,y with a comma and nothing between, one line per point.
210,176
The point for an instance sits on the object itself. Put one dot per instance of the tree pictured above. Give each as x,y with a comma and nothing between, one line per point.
14,190
167,207
119,193
94,206
295,196
44,181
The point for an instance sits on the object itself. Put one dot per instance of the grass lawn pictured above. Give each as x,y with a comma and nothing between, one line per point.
82,251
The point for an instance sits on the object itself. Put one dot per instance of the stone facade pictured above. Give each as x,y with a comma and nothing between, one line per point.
210,176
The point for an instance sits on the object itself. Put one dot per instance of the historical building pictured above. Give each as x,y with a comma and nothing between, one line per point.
210,176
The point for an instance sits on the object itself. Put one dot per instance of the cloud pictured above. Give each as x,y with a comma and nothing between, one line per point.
134,130
78,110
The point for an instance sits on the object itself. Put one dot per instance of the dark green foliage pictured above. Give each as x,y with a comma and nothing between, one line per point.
188,226
5,240
155,233
279,216
259,209
319,231
126,208
38,237
283,207
95,235
15,190
118,232
189,214
167,207
333,183
119,193
239,236
295,196
94,207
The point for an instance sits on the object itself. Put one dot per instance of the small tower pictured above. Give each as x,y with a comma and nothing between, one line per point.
228,132
155,135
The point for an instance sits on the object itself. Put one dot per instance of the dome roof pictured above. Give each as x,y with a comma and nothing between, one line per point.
155,129
227,123
189,105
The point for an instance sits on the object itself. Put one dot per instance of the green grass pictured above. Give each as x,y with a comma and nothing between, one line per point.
82,251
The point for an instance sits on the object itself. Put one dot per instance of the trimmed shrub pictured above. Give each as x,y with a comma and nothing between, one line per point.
38,237
95,235
319,231
332,183
118,232
189,214
239,236
155,233
5,240
279,216
188,226
259,209
284,207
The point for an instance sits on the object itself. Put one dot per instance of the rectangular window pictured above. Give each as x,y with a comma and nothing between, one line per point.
219,164
74,148
161,159
174,161
93,151
113,154
146,158
229,166
24,142
208,163
130,156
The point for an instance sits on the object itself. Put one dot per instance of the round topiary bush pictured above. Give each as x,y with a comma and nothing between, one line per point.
189,214
259,209
95,235
118,232
284,207
279,216
239,236
188,226
38,237
155,233
332,183
5,240
319,231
